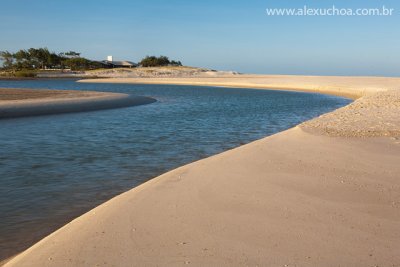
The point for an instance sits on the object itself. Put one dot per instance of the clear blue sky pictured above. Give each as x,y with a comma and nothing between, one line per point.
219,34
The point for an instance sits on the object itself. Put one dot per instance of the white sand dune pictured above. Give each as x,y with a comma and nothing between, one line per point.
297,198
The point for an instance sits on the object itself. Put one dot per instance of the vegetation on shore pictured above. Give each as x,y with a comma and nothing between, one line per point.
27,63
153,61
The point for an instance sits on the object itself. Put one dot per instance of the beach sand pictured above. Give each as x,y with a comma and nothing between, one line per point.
319,194
353,87
33,102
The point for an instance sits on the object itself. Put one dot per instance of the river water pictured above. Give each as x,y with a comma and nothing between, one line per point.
54,168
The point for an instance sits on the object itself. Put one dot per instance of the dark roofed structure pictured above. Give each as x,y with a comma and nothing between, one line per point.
118,64
110,63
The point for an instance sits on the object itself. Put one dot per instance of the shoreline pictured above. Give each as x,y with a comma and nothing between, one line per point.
350,87
294,198
233,85
37,102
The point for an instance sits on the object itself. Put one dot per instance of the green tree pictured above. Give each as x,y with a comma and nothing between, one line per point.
152,61
81,64
7,58
163,61
23,60
72,54
40,56
176,63
149,61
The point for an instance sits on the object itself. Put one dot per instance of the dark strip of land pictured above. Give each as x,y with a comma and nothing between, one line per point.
34,102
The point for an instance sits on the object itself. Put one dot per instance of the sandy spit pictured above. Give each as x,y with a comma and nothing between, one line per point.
353,87
28,102
297,198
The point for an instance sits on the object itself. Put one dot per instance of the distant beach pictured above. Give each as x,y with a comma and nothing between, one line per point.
353,87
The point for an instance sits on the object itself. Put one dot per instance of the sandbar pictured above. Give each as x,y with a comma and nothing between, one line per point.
34,102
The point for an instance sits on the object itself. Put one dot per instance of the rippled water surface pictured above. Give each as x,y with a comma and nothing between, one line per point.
54,168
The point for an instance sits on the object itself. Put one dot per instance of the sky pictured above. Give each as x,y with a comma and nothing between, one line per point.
217,34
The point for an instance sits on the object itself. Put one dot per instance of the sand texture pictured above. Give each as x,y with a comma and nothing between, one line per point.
292,199
33,102
326,193
371,116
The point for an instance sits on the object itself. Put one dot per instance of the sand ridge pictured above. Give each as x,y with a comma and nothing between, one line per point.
34,102
22,94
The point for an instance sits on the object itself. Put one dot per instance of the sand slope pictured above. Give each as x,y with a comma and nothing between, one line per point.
291,199
298,198
376,115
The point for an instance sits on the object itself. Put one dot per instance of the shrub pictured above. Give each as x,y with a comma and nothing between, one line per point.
25,74
81,64
152,61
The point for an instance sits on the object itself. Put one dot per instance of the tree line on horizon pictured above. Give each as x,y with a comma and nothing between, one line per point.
41,58
153,61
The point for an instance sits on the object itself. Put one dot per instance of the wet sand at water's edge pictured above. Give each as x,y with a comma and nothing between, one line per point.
33,102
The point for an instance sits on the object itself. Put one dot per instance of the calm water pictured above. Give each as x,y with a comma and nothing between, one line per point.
54,168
